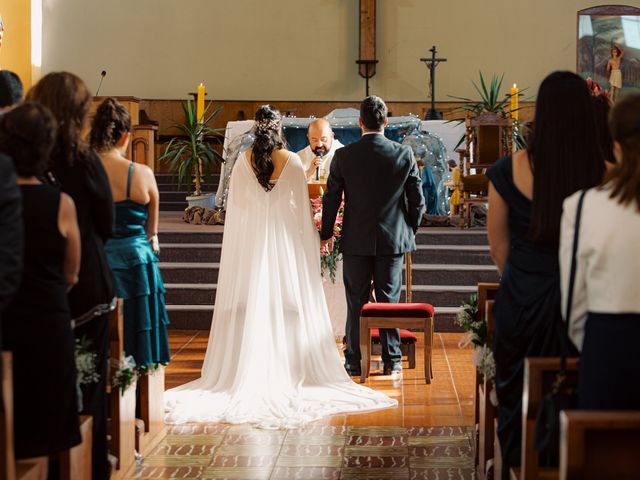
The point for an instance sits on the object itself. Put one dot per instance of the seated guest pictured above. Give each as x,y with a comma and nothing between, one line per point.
131,251
319,152
605,311
36,326
11,90
525,204
79,172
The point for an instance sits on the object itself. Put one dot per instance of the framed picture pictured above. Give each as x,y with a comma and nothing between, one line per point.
609,37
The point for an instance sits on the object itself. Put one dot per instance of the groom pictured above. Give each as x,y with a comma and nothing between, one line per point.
383,205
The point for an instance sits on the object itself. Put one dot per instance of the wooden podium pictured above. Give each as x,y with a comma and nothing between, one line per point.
316,189
142,146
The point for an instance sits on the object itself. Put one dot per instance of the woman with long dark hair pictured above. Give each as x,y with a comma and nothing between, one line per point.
79,173
36,325
526,192
133,251
271,359
605,311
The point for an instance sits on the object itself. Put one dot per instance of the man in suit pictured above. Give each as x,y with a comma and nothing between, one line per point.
10,233
383,206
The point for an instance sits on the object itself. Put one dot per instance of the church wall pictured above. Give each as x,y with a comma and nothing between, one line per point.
16,46
304,49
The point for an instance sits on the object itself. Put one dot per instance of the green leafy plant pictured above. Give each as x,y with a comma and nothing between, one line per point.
191,155
125,374
491,102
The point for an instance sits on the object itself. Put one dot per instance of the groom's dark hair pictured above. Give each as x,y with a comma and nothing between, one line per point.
373,112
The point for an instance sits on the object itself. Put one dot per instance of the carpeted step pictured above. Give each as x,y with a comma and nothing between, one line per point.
191,237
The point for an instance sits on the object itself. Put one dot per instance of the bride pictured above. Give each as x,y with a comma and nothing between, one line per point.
271,358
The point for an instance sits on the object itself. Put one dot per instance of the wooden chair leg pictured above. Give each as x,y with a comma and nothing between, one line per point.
411,350
365,349
428,345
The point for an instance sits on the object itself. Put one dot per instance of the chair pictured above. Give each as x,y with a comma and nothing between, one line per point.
395,315
488,138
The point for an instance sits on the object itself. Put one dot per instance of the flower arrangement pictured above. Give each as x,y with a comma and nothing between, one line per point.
596,89
125,374
331,255
85,363
477,335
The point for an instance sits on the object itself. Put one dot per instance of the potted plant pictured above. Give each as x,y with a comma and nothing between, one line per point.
490,109
191,156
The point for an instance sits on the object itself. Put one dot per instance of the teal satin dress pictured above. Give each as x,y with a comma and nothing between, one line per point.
139,283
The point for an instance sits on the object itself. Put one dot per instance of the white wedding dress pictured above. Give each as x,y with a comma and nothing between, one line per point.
271,359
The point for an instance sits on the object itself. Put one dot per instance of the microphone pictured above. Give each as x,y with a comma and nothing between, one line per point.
321,155
103,74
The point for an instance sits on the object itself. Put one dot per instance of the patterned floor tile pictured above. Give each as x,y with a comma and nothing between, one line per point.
190,439
337,440
317,430
236,473
177,461
369,441
374,474
167,472
262,461
334,461
442,474
247,450
364,431
306,473
312,450
191,449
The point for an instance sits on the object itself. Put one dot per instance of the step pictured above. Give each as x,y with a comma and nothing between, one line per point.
172,206
198,317
443,254
204,294
423,274
430,237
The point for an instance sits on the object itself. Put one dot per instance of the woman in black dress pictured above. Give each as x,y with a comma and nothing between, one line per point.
79,172
525,205
36,325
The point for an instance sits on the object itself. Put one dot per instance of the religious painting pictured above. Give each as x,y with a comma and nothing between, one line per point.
609,47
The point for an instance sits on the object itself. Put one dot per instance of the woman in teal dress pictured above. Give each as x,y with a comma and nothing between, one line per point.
133,251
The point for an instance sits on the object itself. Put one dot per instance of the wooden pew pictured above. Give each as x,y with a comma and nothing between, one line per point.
122,405
150,428
539,376
10,469
75,463
484,410
599,444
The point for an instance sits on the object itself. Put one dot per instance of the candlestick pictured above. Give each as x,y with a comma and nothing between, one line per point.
200,103
514,102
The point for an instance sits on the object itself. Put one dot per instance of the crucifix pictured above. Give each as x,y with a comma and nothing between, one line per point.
431,64
367,54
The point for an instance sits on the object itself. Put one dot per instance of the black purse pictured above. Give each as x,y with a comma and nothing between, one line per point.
561,397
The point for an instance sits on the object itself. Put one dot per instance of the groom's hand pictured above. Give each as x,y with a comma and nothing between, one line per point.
325,245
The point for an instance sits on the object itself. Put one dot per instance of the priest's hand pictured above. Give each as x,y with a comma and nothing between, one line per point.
315,163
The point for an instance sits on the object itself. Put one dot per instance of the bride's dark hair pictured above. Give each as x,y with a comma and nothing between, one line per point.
268,138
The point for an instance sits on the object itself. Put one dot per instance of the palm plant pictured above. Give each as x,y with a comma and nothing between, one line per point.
191,155
491,102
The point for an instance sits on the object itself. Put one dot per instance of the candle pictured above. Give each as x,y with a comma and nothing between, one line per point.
514,102
200,103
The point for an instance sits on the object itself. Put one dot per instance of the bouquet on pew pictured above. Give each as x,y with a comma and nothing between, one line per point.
476,329
85,363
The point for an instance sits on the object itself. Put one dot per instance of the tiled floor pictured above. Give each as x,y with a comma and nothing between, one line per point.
428,435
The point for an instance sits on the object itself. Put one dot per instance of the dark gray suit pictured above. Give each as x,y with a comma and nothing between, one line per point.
10,232
383,208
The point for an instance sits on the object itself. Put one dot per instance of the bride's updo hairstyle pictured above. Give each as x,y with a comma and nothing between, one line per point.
111,122
268,138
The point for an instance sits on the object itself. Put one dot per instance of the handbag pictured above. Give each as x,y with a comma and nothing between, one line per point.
561,397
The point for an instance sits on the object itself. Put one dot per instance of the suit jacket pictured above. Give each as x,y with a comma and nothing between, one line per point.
10,232
383,202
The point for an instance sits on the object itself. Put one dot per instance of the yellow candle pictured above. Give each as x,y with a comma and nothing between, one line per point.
514,102
200,103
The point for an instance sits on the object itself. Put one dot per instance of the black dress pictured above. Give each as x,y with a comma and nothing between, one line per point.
86,182
37,330
527,312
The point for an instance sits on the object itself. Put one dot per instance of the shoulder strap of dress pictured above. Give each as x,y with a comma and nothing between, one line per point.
130,174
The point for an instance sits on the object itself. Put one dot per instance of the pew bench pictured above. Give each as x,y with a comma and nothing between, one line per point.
599,444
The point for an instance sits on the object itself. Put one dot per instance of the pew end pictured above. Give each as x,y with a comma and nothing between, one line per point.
150,429
599,444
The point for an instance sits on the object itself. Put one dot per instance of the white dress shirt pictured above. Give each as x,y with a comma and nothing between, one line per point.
608,258
307,156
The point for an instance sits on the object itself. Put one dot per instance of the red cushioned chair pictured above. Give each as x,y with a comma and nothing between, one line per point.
395,315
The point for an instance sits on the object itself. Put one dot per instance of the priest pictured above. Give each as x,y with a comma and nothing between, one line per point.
316,157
